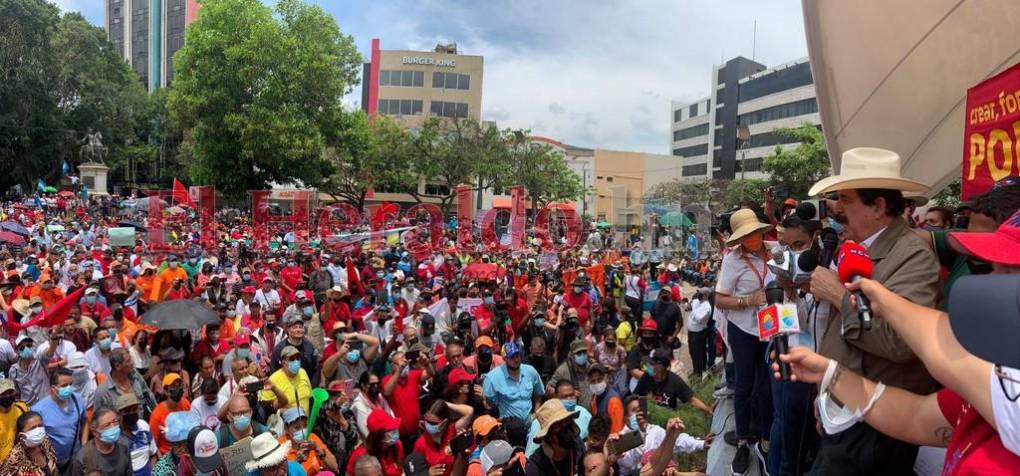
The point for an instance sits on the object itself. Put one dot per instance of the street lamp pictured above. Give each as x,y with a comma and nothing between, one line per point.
744,136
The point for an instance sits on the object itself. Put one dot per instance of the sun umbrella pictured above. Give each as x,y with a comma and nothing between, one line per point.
133,224
14,227
603,224
675,219
183,314
65,194
55,227
49,189
485,271
12,238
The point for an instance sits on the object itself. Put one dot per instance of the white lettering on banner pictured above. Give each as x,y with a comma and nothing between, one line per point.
426,61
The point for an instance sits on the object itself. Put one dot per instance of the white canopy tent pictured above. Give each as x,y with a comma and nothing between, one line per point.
894,74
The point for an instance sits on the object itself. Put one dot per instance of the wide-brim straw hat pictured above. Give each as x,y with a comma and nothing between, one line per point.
868,167
267,452
743,222
551,412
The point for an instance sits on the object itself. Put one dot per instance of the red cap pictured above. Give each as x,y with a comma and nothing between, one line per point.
790,202
336,386
649,325
379,420
242,338
1002,246
458,375
248,290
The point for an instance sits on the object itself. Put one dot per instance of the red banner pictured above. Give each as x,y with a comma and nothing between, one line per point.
991,132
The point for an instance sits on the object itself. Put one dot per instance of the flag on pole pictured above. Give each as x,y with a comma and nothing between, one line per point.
40,186
64,168
181,195
353,278
55,316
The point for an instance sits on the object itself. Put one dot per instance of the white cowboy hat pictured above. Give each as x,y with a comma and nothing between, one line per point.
266,452
743,222
868,167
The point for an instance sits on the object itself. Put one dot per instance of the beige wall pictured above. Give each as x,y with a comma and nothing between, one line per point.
622,179
393,60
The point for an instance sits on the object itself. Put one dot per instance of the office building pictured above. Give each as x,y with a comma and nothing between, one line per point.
411,86
147,33
744,93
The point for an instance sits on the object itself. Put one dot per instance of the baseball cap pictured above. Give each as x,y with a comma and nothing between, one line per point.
511,350
380,420
293,413
35,300
22,338
289,351
204,449
649,325
984,314
459,375
482,341
242,338
496,453
484,424
170,378
416,465
76,360
7,385
248,290
90,290
578,346
661,356
179,424
1002,246
126,400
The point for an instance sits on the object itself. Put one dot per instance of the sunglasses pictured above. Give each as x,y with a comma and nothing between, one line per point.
1013,385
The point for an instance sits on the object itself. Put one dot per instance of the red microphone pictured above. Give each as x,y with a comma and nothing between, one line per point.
854,264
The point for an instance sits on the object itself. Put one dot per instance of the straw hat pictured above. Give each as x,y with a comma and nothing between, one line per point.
743,222
266,452
551,412
868,167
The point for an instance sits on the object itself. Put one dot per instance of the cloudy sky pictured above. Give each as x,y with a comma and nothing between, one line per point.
594,73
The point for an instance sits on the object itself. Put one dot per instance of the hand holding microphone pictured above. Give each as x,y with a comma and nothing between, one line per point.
776,322
854,264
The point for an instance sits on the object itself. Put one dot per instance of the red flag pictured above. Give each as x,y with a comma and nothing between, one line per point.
55,316
181,195
353,278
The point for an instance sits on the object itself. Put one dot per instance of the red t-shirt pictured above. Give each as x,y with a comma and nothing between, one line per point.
483,316
404,400
581,302
435,455
392,461
975,447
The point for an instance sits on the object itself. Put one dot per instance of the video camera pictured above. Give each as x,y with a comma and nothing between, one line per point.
812,210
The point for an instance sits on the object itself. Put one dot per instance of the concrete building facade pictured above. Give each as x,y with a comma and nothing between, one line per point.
147,34
744,93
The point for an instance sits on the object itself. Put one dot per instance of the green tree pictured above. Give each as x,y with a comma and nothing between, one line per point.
59,80
259,96
540,169
949,196
739,190
798,168
370,152
683,192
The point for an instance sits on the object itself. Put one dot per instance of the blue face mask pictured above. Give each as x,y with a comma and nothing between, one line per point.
65,392
293,366
353,356
110,435
538,322
345,407
242,422
105,344
487,300
570,405
90,299
308,311
243,353
113,333
433,428
581,359
836,226
649,369
298,435
632,422
26,353
392,437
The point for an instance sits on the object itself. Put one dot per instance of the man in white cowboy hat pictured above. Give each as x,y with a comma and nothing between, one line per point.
870,204
269,457
561,447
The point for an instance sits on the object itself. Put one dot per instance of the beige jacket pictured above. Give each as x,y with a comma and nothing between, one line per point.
908,267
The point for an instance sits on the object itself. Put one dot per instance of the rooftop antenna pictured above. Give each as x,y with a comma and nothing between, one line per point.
754,40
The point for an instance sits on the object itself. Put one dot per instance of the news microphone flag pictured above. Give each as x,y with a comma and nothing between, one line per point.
854,264
777,319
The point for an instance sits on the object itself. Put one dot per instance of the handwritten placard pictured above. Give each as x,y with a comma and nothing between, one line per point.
235,455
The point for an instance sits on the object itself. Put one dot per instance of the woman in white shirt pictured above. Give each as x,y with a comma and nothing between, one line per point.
698,332
740,292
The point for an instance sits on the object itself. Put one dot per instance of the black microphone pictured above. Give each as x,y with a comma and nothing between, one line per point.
806,211
830,240
774,294
808,261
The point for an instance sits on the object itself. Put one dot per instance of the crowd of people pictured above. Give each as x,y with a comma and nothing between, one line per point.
391,360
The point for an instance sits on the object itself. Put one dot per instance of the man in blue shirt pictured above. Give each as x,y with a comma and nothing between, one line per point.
63,415
513,388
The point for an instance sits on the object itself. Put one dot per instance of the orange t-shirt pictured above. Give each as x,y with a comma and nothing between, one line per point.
312,464
157,423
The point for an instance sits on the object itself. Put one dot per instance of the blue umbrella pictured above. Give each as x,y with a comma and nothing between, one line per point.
14,227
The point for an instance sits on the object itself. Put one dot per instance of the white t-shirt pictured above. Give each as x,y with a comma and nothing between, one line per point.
140,456
267,300
738,278
701,312
63,351
208,415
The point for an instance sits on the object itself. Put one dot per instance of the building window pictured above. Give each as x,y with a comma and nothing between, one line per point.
400,107
717,158
691,151
609,179
440,190
782,111
781,80
693,110
696,169
694,131
451,80
407,79
449,109
749,165
676,115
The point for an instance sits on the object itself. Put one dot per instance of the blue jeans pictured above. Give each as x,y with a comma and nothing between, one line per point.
793,428
752,398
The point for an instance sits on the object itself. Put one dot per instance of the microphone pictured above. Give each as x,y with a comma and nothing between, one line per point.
830,240
815,210
808,261
776,322
854,264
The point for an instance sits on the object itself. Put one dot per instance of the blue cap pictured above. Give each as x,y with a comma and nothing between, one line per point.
178,425
293,413
511,350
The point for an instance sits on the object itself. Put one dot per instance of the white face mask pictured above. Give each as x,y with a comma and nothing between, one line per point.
34,437
1005,409
837,419
597,388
